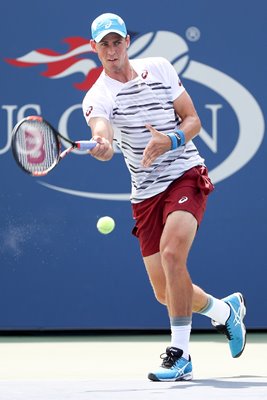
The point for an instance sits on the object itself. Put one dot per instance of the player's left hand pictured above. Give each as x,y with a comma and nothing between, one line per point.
158,144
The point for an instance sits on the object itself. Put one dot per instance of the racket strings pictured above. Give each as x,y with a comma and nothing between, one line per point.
36,146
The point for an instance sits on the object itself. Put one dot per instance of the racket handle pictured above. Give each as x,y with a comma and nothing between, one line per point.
85,144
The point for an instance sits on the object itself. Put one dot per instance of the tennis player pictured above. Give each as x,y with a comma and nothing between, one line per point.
143,106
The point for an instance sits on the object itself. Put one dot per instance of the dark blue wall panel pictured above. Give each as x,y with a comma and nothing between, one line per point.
57,271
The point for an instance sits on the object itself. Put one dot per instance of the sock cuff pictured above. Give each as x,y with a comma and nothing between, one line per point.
207,307
180,321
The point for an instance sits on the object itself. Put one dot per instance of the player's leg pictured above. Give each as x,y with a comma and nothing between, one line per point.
176,240
218,310
158,282
156,276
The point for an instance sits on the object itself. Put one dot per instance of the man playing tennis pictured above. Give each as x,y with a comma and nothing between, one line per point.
142,105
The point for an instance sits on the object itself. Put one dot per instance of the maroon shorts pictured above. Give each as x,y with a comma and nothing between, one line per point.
187,193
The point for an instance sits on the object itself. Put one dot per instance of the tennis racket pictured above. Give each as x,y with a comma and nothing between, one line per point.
36,146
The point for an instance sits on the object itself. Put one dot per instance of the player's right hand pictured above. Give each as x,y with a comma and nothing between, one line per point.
103,151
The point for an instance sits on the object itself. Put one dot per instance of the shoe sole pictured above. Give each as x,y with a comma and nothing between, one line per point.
186,377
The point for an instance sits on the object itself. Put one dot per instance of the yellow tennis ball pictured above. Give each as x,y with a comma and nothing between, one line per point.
105,225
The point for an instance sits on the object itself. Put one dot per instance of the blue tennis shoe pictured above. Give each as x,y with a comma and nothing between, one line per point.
173,368
234,329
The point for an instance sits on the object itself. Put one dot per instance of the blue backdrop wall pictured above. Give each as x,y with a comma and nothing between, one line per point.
57,271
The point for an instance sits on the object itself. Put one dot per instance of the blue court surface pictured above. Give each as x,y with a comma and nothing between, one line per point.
116,367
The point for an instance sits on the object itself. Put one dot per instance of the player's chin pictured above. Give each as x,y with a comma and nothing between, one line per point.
112,65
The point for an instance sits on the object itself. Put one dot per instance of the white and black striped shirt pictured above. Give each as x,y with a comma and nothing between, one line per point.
147,99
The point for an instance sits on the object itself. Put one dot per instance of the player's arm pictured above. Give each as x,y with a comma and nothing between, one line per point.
102,133
190,127
185,109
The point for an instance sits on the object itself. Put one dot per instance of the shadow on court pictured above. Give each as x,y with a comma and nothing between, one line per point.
249,387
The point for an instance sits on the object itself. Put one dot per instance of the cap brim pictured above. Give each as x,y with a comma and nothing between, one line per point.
104,33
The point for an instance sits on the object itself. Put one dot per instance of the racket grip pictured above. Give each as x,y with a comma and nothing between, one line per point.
85,144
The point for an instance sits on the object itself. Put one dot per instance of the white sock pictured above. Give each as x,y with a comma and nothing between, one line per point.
216,309
180,335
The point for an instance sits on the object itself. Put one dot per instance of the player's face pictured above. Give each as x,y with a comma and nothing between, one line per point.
112,52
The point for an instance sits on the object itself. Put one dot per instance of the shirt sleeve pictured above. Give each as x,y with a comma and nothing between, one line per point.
95,105
174,81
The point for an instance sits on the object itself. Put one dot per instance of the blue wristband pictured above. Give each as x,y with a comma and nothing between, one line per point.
174,143
177,139
181,136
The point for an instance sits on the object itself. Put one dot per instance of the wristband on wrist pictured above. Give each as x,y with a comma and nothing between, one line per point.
177,139
173,139
180,136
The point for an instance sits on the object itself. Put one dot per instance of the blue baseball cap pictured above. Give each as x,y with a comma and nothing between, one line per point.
107,23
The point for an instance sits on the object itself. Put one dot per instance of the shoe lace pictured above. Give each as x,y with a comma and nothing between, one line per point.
168,360
227,332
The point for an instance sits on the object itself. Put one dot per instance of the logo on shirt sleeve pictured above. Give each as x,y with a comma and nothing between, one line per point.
144,74
88,111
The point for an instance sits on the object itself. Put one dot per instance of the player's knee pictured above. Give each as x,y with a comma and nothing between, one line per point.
171,259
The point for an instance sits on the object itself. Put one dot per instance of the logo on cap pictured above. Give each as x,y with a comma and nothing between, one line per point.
108,25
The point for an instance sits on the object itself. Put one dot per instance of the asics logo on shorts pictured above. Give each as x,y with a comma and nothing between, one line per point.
183,200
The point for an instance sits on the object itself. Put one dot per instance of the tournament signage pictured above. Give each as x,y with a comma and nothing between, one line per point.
49,241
